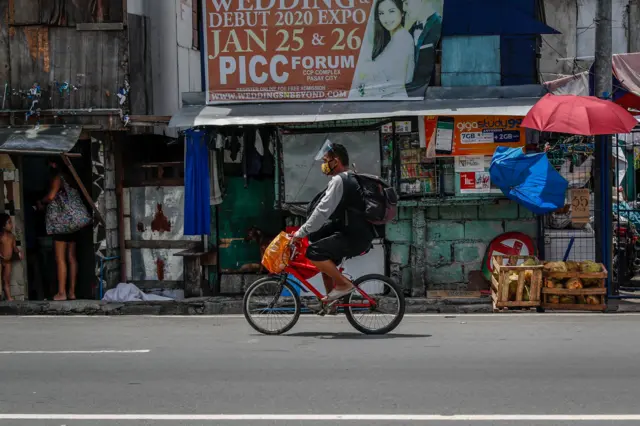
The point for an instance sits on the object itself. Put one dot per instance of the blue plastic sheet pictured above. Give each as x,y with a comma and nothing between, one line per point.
529,179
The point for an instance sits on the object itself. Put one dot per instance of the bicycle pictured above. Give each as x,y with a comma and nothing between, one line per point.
282,297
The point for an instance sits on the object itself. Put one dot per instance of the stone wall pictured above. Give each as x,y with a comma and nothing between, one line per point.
456,240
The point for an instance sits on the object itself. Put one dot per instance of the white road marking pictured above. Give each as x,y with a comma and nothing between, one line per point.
333,417
141,351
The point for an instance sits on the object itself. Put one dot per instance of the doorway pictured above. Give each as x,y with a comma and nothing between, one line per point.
38,246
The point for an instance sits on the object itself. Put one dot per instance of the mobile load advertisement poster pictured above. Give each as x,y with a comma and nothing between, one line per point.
460,135
310,50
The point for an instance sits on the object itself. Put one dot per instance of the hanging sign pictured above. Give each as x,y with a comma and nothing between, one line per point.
579,205
475,183
470,163
471,134
310,50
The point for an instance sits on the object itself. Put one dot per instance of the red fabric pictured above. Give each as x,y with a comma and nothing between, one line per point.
578,115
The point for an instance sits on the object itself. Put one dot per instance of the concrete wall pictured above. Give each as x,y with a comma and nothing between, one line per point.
575,19
176,64
455,243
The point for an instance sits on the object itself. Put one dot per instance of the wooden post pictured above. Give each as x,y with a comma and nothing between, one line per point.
84,191
116,145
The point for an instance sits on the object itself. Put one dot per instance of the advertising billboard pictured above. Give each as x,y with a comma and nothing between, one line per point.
310,50
471,134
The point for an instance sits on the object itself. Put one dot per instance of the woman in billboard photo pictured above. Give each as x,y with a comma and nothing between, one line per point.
391,62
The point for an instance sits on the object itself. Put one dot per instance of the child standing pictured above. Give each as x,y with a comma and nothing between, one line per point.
8,249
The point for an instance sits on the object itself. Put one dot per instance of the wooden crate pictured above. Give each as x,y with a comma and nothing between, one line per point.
599,291
500,282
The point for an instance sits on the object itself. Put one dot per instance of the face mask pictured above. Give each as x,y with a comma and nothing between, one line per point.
326,168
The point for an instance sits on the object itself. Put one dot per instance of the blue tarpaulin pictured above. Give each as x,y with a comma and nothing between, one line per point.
197,209
529,179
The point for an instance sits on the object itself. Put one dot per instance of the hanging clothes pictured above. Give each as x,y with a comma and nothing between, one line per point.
197,210
215,196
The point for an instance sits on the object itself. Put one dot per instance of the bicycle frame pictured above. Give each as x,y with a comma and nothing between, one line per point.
294,269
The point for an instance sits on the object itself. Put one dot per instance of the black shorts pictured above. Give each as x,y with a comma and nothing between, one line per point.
66,238
331,244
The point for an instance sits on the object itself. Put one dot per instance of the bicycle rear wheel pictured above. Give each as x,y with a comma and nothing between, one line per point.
273,301
388,297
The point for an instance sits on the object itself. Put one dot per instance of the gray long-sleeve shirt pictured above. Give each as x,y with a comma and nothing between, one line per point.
325,208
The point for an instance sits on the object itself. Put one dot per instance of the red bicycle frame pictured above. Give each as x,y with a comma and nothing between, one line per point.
297,269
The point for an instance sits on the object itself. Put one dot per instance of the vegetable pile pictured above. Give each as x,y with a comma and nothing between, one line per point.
586,267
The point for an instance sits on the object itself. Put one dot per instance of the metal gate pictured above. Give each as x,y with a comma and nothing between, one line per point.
625,169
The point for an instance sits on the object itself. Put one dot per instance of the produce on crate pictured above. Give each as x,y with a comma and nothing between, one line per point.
555,267
592,300
513,284
555,299
573,283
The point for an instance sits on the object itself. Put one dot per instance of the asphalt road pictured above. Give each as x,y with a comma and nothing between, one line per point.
216,370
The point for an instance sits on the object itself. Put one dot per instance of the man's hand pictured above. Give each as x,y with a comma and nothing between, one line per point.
294,240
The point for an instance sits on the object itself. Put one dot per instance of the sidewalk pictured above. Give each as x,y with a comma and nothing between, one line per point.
210,306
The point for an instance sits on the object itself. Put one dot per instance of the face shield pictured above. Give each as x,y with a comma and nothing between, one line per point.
326,148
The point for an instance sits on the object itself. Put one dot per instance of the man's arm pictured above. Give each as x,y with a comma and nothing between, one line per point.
324,209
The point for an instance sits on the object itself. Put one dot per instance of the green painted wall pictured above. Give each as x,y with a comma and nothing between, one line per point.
242,208
455,243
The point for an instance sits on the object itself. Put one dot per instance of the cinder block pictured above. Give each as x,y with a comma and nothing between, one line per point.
498,211
468,252
432,213
528,227
459,212
438,253
467,268
399,254
482,230
525,213
232,283
445,275
445,231
405,213
399,231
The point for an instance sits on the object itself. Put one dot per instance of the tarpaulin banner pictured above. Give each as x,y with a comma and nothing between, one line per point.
306,50
470,134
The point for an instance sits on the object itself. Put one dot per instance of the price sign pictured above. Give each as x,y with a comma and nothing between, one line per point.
580,199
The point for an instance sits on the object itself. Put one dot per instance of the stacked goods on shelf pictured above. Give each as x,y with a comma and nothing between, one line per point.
516,283
577,286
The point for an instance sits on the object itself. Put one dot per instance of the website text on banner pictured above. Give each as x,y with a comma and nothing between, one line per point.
470,134
304,50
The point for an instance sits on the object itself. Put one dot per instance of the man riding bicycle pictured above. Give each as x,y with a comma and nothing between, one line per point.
335,223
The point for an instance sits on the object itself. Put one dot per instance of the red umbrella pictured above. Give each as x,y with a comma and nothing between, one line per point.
578,115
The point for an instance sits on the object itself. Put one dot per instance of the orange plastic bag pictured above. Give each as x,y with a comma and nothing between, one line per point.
276,256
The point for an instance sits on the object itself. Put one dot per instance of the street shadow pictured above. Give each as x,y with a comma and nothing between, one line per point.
355,336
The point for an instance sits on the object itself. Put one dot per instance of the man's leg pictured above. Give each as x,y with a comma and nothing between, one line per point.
328,283
328,268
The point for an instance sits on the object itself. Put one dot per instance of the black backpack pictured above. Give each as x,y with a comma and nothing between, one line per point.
380,199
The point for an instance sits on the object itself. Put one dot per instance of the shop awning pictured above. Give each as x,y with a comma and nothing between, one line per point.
443,101
41,140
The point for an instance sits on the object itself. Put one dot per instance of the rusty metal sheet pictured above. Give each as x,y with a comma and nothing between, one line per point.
156,265
39,140
157,213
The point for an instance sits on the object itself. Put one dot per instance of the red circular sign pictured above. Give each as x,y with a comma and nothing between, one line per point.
510,244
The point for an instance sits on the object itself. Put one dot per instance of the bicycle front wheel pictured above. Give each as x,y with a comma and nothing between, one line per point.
389,307
271,305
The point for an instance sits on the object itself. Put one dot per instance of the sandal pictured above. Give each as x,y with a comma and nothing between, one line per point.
338,294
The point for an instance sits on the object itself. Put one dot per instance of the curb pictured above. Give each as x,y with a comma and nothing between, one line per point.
208,306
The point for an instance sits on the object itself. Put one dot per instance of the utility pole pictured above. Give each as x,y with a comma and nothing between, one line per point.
603,181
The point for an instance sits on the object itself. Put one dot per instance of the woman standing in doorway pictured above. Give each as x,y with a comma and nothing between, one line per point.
66,215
